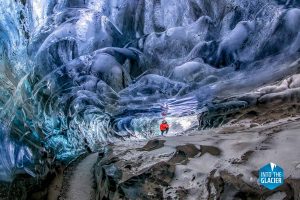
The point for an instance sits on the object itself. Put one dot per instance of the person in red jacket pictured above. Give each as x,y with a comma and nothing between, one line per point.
164,127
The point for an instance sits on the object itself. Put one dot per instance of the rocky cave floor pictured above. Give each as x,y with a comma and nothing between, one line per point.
220,163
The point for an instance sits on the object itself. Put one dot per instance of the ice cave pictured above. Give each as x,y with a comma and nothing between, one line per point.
85,85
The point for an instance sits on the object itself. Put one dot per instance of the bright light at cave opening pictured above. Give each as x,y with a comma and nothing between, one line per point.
185,122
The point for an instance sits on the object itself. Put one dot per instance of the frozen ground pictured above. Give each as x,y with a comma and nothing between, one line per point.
223,163
81,184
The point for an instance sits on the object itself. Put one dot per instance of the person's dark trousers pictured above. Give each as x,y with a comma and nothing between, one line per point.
162,132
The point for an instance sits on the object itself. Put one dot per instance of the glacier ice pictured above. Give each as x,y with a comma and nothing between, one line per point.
103,70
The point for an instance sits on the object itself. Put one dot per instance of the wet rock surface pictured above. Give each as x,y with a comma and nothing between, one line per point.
149,184
183,153
210,149
152,145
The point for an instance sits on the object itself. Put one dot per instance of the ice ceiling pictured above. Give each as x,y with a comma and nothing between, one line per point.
106,70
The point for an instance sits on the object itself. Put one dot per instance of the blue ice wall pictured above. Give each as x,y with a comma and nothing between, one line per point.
97,71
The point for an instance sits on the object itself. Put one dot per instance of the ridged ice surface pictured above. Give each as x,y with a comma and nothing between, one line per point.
106,70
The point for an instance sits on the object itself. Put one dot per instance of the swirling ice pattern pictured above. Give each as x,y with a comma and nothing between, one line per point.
107,70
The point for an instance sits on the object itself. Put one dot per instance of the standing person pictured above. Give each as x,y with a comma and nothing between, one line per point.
164,127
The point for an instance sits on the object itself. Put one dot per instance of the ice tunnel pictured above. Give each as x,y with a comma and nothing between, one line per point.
92,72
